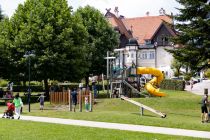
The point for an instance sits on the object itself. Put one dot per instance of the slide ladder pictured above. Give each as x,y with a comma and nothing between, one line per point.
133,89
163,115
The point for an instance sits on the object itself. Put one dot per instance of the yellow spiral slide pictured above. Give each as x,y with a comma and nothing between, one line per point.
152,85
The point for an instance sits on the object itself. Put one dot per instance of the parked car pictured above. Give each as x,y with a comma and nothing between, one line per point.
178,78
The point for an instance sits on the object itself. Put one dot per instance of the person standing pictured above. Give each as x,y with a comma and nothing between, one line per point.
74,98
86,104
204,110
191,84
18,103
41,101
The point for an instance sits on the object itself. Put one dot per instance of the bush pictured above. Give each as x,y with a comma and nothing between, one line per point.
172,84
34,88
207,73
3,83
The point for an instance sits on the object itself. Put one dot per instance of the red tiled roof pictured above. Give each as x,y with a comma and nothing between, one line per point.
144,28
116,22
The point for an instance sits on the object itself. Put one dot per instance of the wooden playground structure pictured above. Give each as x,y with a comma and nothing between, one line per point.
64,98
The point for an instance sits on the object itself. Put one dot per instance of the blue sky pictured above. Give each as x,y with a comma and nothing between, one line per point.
128,8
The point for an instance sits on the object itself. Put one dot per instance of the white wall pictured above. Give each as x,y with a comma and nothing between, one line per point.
164,60
146,62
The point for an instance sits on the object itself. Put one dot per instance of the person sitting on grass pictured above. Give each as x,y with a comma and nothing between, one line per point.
204,110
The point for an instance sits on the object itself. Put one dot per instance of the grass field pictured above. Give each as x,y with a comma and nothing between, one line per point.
182,109
26,130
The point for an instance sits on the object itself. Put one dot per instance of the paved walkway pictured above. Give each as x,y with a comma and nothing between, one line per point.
128,127
198,88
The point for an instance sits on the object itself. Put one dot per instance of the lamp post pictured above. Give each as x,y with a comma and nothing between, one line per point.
28,55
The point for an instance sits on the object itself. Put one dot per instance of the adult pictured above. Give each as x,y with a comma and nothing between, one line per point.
204,110
74,98
191,84
1,93
41,101
18,103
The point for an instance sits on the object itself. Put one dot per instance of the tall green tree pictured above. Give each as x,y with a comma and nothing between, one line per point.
193,27
5,31
101,38
176,66
57,39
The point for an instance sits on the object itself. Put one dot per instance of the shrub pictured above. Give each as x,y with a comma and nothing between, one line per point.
3,83
173,84
207,73
34,88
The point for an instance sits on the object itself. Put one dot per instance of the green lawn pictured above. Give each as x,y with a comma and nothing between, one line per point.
182,109
26,130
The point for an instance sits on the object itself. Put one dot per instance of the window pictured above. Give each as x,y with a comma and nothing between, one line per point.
144,55
147,55
147,42
151,55
132,55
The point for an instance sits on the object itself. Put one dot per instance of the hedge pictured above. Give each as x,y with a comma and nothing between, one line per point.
173,84
34,88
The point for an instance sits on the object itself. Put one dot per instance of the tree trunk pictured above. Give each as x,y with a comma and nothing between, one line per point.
87,81
46,88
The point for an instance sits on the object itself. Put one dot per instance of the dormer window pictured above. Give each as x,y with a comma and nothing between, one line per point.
147,42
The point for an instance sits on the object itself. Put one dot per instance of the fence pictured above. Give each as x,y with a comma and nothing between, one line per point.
64,98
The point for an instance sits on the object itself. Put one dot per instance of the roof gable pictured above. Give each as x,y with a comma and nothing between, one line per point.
144,28
117,23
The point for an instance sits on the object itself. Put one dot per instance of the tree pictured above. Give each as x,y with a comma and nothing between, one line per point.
57,38
101,38
176,66
4,44
193,29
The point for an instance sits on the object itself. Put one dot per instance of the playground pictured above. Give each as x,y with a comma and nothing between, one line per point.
133,99
182,108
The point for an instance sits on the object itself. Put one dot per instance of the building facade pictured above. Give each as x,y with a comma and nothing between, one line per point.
145,40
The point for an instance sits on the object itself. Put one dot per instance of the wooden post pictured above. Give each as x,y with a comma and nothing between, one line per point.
90,102
142,111
80,100
50,97
206,91
70,100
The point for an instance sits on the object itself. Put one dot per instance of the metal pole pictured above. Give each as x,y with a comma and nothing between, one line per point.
70,100
29,79
107,73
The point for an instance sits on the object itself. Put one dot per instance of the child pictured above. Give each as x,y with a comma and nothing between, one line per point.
10,111
86,104
41,101
18,103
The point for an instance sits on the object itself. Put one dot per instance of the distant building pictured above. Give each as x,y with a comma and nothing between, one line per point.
150,35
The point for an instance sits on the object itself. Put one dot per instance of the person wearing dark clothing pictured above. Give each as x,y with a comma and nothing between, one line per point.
204,110
74,98
41,101
1,93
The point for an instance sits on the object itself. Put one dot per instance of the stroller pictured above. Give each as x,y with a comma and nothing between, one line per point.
9,113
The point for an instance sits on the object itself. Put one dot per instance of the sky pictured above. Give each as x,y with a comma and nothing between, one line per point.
127,8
